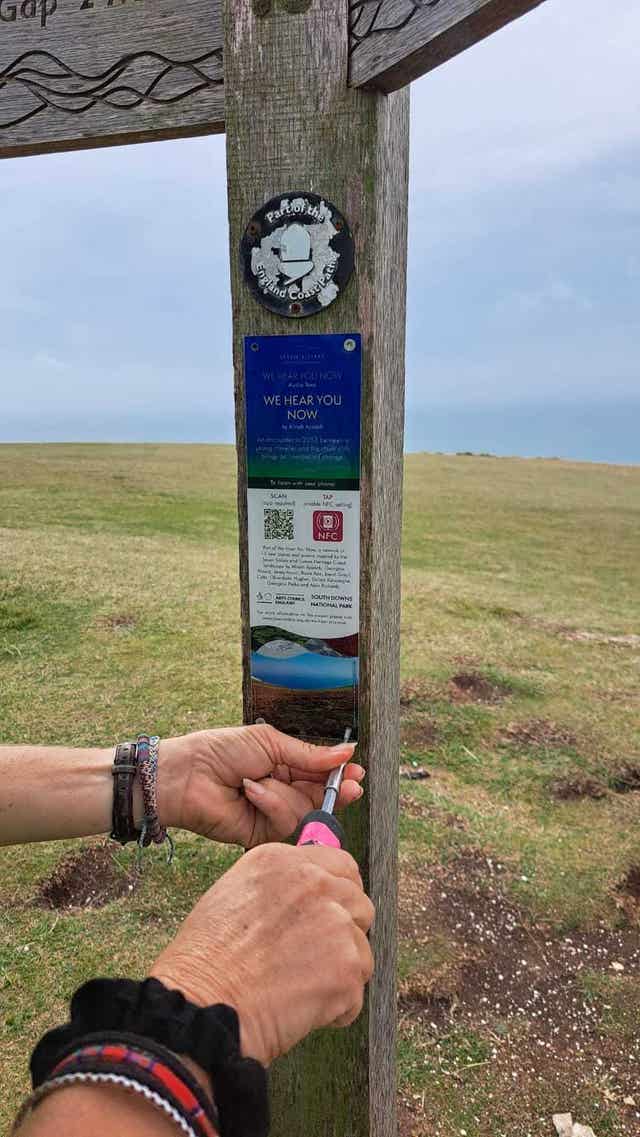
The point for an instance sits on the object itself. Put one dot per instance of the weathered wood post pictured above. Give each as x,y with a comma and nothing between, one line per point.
294,126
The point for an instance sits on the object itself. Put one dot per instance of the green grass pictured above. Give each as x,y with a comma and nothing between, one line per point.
617,998
119,608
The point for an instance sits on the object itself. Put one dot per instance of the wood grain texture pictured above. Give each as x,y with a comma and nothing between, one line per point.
82,73
292,123
393,42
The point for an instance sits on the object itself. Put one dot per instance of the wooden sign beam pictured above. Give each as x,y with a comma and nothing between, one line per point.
75,74
297,133
393,42
81,73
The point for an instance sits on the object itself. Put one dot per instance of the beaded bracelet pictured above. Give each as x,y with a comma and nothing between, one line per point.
104,1078
140,1064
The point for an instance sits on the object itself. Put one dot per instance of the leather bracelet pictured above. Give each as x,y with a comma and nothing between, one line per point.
125,764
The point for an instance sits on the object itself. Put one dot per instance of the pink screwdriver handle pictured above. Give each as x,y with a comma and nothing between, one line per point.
317,833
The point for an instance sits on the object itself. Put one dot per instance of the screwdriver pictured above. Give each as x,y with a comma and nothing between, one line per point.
320,827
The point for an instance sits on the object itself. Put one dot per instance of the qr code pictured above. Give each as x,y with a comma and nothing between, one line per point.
278,525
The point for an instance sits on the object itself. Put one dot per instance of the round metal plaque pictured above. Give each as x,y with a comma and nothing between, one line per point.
297,254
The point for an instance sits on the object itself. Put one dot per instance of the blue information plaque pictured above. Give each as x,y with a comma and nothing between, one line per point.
303,410
303,501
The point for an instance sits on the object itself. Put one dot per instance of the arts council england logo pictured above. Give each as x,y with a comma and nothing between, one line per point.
297,254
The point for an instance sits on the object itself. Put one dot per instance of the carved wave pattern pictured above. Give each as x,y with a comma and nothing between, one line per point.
143,77
372,17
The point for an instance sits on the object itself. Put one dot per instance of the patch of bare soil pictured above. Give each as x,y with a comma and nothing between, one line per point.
631,883
538,732
628,895
629,697
625,780
572,788
120,622
419,733
472,687
88,879
415,691
599,638
423,811
518,986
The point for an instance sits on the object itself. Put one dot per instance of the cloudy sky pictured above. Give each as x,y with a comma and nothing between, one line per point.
524,279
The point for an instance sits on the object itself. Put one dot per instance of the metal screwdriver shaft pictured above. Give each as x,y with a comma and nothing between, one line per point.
334,781
320,827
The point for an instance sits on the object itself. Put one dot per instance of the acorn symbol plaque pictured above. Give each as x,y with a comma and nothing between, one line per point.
297,254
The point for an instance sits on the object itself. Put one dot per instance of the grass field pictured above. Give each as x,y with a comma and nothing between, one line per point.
521,690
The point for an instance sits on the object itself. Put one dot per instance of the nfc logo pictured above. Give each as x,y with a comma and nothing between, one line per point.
328,525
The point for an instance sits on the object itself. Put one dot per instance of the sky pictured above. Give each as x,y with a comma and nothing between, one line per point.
523,332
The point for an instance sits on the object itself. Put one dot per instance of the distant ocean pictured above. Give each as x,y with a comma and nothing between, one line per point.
607,432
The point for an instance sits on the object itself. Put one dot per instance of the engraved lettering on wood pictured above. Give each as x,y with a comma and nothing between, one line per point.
81,73
392,42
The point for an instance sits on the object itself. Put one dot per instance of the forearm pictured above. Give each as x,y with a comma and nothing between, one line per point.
47,793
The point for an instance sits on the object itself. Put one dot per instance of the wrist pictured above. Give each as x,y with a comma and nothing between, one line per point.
173,771
207,992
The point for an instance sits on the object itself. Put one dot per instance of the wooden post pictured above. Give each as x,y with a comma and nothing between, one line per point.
294,125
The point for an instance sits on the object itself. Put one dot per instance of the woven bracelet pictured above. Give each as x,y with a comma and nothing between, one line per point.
133,1085
101,1079
151,831
118,1057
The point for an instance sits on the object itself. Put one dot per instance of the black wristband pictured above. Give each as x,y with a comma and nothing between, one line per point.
208,1035
124,768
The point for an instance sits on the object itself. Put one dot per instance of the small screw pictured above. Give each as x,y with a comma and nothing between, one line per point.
339,225
255,347
254,229
295,308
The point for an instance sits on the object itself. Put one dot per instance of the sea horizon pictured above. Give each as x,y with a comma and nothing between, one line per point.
605,433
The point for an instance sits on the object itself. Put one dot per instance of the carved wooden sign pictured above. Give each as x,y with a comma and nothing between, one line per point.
82,73
392,42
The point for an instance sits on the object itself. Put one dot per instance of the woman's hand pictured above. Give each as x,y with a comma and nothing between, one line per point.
282,938
249,784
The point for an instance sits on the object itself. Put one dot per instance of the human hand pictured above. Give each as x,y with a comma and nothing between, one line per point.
247,785
282,938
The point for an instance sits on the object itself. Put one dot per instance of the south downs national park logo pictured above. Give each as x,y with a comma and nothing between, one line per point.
297,254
